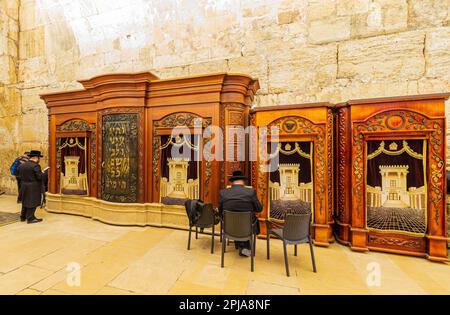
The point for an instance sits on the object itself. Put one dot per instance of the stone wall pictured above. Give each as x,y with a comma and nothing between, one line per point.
301,50
10,109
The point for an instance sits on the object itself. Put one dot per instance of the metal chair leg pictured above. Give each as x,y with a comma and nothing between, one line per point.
189,239
221,231
252,250
311,248
268,245
196,233
222,259
286,258
212,240
295,250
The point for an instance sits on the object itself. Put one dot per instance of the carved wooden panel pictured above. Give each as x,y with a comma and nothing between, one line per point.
396,241
232,122
120,157
121,142
330,164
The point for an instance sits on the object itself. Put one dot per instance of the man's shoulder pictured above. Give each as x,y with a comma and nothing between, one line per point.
240,188
249,189
27,164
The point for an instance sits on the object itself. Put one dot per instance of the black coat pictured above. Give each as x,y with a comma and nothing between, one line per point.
30,176
193,210
239,198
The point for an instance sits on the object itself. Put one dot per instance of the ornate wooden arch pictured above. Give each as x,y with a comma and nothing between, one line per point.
297,124
294,125
407,121
402,122
74,126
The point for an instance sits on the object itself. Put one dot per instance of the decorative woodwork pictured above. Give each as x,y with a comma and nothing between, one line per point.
306,123
391,119
146,108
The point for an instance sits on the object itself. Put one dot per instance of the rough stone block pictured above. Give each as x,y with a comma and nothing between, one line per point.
34,127
303,70
437,53
393,56
256,66
319,9
330,30
288,17
382,17
208,67
428,13
350,7
28,18
31,43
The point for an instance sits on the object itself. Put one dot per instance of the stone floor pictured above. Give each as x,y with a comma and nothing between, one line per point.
40,259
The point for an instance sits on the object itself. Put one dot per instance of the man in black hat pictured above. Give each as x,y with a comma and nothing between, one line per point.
240,198
30,175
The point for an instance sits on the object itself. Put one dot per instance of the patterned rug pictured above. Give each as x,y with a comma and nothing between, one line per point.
8,218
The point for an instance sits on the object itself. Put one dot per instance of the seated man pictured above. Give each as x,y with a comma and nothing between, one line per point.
240,198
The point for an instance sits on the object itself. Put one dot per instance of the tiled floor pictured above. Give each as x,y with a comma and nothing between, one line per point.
398,219
43,259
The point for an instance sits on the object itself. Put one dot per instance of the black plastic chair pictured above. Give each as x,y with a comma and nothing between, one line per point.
296,230
206,220
238,226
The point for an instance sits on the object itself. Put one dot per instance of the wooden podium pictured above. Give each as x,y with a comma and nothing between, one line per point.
304,172
391,175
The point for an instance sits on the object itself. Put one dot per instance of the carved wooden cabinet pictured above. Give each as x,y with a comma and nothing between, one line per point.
123,126
301,176
391,175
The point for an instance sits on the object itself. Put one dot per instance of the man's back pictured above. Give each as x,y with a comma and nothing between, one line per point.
28,170
239,198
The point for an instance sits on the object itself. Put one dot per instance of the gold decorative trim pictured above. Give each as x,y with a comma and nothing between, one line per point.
406,148
296,149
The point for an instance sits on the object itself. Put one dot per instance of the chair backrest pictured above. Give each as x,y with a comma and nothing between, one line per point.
207,216
237,224
297,226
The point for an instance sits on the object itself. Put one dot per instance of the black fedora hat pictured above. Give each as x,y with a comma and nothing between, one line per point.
34,153
237,175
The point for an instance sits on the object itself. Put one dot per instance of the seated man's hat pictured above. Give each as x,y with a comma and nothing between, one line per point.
237,175
33,153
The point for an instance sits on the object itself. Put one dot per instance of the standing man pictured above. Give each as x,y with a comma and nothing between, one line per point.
15,170
240,198
30,175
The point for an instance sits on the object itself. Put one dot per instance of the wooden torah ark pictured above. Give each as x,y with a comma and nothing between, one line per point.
339,161
139,109
300,127
379,218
